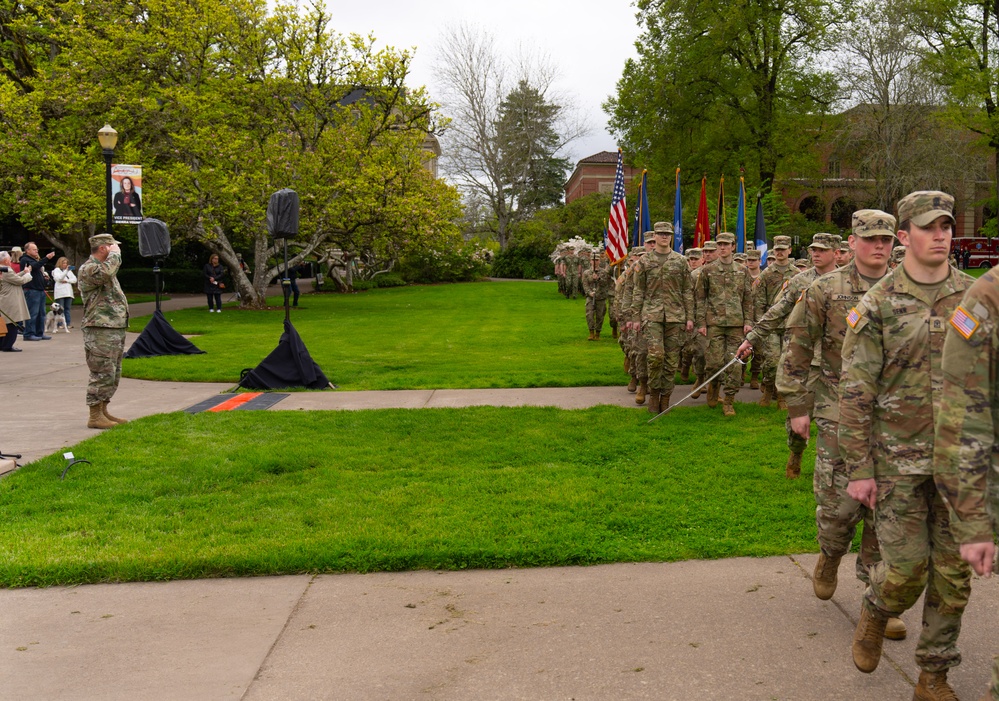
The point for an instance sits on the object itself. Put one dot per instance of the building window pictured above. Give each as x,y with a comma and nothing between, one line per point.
607,187
834,169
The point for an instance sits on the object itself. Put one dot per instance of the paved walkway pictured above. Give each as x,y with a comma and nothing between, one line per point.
730,629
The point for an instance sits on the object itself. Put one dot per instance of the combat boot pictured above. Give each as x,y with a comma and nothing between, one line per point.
781,404
868,639
633,385
664,402
793,469
895,629
590,337
754,381
643,390
765,399
727,408
627,366
109,416
654,399
614,332
596,336
700,388
826,575
933,686
713,395
685,373
98,419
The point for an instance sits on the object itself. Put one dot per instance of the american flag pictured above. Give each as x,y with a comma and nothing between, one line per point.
617,226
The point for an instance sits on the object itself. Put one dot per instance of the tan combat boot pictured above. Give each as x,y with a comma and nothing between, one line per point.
664,402
765,399
643,390
793,468
727,408
685,373
654,399
933,686
825,576
633,385
98,419
868,639
590,337
754,381
895,629
108,415
713,395
700,388
596,335
614,332
781,404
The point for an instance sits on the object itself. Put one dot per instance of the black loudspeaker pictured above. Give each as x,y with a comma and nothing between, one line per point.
282,214
154,239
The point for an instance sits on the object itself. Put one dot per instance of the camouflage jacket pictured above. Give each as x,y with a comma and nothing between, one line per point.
773,321
723,295
891,380
104,304
598,281
768,287
627,290
816,328
664,291
965,451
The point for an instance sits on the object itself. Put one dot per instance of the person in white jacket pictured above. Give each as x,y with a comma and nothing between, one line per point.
64,281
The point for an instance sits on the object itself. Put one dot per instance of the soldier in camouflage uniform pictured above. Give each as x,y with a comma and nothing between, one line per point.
775,318
815,331
709,253
694,258
844,254
105,318
574,261
753,262
966,443
889,389
636,347
611,290
663,302
897,256
597,283
768,288
724,313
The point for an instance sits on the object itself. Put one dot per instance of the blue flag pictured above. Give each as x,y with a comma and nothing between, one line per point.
643,222
740,220
760,233
678,217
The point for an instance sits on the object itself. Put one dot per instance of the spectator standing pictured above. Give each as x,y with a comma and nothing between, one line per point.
63,292
213,283
34,292
15,258
967,258
13,308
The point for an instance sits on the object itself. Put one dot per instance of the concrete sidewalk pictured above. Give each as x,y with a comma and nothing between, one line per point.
730,629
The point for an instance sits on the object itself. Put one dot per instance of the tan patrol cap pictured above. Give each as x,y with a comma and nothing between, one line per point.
755,254
649,236
924,206
873,222
845,246
782,242
710,246
823,241
725,237
739,257
897,254
102,240
662,226
693,253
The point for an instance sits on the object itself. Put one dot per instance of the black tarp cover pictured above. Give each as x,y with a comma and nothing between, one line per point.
288,365
154,239
282,214
159,338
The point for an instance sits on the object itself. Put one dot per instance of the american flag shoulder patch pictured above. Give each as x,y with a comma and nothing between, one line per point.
964,323
853,318
784,286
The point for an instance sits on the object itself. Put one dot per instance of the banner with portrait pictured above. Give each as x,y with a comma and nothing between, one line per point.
126,193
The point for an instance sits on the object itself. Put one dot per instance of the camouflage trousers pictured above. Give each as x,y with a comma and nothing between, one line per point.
919,552
723,342
995,678
664,342
638,350
572,285
595,310
103,349
769,358
611,312
836,513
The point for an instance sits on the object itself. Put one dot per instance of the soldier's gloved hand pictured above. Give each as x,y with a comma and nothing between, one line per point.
865,491
980,557
744,350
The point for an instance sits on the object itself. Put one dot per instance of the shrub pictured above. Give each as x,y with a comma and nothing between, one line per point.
174,280
388,280
362,285
530,261
462,263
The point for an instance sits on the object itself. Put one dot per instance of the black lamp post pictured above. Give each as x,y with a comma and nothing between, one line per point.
109,139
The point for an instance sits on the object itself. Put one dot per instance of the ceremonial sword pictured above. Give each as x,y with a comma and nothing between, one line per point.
704,384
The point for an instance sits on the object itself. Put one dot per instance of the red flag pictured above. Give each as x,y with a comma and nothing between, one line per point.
617,225
702,229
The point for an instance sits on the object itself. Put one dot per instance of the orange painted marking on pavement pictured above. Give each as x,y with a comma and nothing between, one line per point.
230,404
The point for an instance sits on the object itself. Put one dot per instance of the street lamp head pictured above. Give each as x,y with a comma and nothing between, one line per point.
108,137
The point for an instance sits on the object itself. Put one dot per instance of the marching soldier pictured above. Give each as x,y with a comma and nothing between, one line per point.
724,311
844,254
709,253
597,282
694,259
664,302
890,383
769,286
637,348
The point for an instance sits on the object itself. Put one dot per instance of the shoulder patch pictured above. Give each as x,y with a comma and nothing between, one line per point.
853,318
784,286
800,297
964,323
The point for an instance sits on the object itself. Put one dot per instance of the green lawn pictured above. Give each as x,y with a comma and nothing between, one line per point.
255,493
516,334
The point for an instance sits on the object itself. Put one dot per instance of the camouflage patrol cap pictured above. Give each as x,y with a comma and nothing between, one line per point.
845,246
782,242
924,206
725,237
636,250
710,246
873,222
102,240
694,253
750,246
823,241
755,254
835,240
802,263
663,226
739,257
897,254
649,236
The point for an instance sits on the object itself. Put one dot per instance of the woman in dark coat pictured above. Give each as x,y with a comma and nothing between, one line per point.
126,201
213,283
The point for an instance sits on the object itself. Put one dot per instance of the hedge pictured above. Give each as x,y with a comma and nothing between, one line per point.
175,280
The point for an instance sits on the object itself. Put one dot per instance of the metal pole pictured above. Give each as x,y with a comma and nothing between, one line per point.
156,275
286,284
109,219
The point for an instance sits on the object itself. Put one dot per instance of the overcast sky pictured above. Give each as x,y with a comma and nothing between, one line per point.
588,40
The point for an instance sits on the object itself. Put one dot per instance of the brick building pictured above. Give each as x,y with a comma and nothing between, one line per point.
596,174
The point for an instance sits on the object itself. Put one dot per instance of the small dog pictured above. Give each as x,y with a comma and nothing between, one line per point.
55,319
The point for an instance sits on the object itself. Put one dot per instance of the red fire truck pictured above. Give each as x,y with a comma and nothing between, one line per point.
984,252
